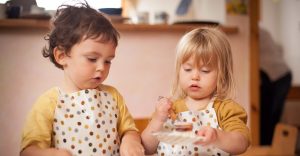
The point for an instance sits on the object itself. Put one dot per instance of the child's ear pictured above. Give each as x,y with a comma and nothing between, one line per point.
60,56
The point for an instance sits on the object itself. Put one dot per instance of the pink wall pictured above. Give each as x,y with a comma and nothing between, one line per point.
24,75
143,68
141,71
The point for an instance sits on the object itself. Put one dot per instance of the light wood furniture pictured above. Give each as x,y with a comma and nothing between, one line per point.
283,144
254,70
141,123
45,24
294,93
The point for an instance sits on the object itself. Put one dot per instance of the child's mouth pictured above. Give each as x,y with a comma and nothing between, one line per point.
194,87
97,78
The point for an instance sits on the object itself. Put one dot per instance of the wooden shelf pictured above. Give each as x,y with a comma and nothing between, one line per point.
171,28
24,23
44,24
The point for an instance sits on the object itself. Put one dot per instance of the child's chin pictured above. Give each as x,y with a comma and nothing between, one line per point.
94,86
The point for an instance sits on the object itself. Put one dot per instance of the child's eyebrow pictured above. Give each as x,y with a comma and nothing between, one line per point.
187,63
92,53
111,57
99,54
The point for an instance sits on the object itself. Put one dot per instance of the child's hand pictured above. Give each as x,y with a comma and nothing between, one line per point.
36,151
132,148
209,134
162,110
61,152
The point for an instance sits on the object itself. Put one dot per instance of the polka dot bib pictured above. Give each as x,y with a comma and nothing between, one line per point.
85,123
206,117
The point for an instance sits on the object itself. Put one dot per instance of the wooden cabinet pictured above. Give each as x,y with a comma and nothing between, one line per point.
45,24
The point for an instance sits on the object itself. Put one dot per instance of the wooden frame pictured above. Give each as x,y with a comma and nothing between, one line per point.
284,143
141,123
254,70
294,93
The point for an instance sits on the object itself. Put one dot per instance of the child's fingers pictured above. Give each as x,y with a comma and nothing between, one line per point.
199,142
160,97
162,109
167,104
201,132
173,116
209,135
164,103
204,141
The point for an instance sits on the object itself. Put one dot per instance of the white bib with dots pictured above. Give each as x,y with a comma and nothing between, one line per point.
85,123
206,117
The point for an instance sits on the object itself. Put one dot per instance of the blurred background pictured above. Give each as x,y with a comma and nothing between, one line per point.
143,67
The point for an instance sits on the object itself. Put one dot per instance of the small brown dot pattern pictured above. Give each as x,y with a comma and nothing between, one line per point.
85,123
206,117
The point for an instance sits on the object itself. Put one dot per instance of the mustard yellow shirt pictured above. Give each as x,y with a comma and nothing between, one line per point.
230,115
38,126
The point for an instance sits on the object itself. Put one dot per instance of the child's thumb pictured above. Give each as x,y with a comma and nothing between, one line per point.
201,132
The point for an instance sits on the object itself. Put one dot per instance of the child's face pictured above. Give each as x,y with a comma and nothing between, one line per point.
88,64
197,82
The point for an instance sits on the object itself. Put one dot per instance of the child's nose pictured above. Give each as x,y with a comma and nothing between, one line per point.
195,75
100,66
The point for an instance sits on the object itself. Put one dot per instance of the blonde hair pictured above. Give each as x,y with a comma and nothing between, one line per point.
209,46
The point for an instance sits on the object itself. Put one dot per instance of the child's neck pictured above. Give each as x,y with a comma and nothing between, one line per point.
197,104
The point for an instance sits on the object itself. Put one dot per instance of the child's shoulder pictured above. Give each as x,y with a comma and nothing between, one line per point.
47,100
227,104
51,93
116,95
110,89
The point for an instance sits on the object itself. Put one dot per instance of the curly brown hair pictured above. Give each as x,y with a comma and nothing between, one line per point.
72,24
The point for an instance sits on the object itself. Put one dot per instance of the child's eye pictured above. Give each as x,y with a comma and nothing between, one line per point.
205,70
92,59
187,69
107,61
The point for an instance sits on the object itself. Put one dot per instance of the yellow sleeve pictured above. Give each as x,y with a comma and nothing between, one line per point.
232,117
38,126
125,120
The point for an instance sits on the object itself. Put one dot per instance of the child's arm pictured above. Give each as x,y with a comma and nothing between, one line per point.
131,140
232,142
35,151
159,117
37,130
234,137
131,144
149,141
